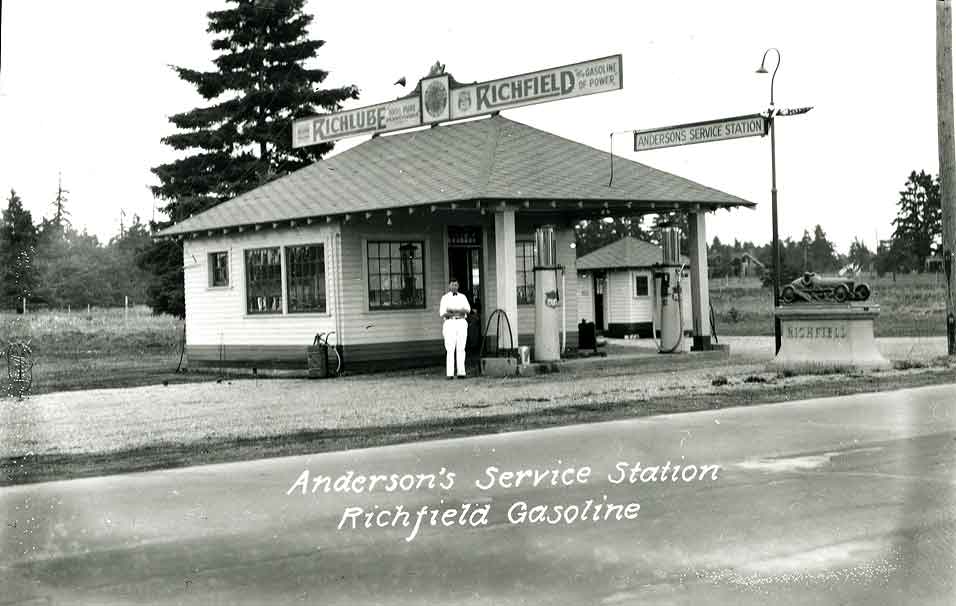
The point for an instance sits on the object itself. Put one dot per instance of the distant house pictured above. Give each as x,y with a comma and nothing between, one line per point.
617,290
933,263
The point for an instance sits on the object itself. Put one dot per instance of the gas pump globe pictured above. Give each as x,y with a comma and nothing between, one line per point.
547,297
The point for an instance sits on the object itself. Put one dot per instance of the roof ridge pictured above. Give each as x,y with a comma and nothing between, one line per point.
491,151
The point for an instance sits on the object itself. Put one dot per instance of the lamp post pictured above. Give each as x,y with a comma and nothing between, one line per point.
775,246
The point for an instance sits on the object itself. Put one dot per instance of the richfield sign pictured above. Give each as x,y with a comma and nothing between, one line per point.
440,98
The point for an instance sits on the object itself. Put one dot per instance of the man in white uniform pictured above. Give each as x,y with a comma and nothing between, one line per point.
454,309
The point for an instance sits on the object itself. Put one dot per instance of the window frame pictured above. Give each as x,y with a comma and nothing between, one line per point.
282,302
212,268
422,243
647,285
287,280
520,245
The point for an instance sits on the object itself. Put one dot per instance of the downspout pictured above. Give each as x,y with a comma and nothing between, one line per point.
338,290
564,314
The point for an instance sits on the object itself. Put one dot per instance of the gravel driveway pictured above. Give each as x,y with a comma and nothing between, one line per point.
117,419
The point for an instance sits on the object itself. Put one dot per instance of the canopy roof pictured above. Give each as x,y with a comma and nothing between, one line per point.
477,163
625,253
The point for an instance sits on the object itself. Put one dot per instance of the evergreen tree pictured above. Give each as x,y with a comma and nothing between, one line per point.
60,213
860,255
243,139
18,239
822,257
919,218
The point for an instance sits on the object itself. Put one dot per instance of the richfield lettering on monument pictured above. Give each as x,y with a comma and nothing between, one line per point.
816,332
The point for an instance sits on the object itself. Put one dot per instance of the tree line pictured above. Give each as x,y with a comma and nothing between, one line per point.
913,246
51,264
263,78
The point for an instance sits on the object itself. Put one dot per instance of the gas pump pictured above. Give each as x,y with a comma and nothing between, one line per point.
669,298
547,297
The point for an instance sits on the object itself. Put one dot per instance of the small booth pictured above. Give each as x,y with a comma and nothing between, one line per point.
619,288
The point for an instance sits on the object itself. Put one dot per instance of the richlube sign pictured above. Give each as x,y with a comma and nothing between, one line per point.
381,118
700,132
440,98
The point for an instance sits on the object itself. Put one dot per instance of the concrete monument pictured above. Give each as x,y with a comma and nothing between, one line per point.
827,323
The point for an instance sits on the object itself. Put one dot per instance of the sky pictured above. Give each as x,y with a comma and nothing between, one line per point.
86,91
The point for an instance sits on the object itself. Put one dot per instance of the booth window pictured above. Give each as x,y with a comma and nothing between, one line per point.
396,275
263,281
641,287
524,271
305,278
219,269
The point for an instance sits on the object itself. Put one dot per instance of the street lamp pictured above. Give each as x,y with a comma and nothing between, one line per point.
775,246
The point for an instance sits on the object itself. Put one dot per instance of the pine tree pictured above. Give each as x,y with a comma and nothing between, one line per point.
59,205
822,253
18,239
919,218
243,139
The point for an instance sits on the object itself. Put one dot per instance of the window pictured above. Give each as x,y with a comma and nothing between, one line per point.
219,269
305,278
524,270
263,281
396,275
641,286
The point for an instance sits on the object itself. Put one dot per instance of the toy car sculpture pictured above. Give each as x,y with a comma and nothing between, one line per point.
812,288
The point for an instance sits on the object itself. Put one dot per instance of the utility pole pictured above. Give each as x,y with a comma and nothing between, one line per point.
947,156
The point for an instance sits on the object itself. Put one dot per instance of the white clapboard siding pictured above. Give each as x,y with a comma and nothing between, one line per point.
218,315
688,307
359,325
618,295
641,307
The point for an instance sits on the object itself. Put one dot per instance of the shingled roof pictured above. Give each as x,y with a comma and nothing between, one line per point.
494,159
626,252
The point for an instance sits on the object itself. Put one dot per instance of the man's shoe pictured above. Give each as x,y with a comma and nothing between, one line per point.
450,378
461,376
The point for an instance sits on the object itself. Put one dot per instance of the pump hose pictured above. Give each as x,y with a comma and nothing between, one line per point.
713,323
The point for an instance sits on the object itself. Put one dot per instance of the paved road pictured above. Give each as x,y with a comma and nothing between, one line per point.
835,501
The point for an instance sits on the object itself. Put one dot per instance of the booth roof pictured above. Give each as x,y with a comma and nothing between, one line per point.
489,160
626,252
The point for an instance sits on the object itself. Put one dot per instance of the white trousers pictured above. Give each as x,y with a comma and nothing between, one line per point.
455,332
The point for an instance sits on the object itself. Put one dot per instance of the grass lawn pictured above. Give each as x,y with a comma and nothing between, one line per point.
106,348
913,305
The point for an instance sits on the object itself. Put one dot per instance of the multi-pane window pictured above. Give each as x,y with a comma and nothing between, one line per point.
641,287
219,269
396,275
525,272
305,278
263,281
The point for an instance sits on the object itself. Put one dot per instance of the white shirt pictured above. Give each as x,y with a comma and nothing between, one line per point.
455,303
